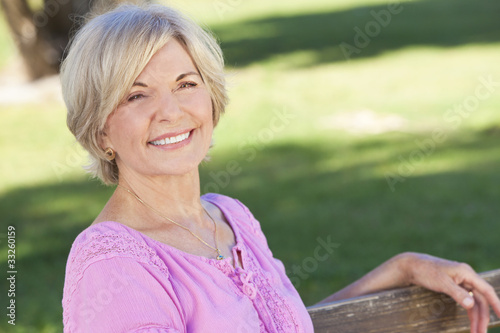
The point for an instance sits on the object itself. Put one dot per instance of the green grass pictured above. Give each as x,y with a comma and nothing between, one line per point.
303,176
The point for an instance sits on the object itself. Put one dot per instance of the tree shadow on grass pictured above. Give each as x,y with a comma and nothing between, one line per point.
437,23
298,200
46,219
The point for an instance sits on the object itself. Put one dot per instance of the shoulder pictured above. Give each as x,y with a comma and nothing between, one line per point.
107,241
111,267
235,211
229,204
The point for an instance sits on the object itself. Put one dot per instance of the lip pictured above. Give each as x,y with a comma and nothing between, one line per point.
171,134
172,145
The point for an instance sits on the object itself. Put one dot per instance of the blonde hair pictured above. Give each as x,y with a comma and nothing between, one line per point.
110,51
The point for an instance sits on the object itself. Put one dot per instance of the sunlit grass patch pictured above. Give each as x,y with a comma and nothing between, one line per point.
316,139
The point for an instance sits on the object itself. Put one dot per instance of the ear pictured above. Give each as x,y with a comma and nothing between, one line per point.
104,141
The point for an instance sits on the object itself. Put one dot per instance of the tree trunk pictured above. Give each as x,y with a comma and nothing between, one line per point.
42,36
37,52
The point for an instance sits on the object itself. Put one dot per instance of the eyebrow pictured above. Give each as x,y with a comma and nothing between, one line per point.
140,84
180,77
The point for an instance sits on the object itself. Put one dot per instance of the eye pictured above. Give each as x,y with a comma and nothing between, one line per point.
135,97
187,85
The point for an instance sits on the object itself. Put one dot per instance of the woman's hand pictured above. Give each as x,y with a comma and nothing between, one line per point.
440,275
458,280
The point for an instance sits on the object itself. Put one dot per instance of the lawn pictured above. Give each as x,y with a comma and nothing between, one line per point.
393,148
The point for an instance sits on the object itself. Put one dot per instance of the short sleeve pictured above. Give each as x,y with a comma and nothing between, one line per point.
120,294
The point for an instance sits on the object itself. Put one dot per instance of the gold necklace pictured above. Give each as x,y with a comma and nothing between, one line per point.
216,248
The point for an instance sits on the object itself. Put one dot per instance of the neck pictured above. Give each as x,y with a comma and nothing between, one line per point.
174,196
159,201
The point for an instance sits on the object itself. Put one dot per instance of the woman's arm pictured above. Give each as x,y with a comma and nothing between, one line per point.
449,277
391,274
121,294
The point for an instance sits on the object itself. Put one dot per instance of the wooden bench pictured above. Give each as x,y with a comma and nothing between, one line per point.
404,310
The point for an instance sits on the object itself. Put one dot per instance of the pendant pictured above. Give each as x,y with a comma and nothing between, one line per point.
219,256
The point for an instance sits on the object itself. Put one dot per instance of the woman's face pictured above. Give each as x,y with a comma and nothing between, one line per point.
164,125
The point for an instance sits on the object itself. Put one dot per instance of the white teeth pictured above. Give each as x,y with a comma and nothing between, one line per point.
174,139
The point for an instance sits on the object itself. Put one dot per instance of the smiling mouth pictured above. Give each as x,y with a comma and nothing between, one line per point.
171,140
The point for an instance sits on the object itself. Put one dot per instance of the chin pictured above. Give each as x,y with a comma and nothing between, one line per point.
179,170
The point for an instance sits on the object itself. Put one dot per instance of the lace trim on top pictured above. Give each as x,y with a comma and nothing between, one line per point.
255,283
282,314
106,246
251,281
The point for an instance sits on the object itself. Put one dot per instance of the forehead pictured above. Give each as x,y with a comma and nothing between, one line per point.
171,60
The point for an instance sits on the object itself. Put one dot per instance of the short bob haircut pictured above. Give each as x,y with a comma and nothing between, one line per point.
110,51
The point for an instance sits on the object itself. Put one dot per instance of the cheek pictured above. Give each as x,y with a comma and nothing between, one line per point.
206,107
199,103
122,129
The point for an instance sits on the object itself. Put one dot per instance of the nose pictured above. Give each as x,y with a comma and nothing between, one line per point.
168,108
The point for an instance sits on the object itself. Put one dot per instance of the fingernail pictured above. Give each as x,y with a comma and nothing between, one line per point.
468,302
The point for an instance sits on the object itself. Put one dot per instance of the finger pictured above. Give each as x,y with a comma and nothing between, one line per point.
483,312
488,292
458,293
473,318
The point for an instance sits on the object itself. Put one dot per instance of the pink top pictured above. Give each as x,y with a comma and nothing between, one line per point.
120,280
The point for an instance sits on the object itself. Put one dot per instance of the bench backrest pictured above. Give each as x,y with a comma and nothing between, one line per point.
404,310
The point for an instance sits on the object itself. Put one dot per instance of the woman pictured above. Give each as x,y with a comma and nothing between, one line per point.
144,88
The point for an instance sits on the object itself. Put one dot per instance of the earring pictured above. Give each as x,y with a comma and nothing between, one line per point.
110,154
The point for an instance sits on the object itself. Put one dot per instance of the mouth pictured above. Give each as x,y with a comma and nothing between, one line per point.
171,140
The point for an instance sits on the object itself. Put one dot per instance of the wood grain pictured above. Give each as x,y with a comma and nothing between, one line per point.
404,310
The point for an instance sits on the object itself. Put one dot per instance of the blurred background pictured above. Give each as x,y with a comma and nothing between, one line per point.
370,125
